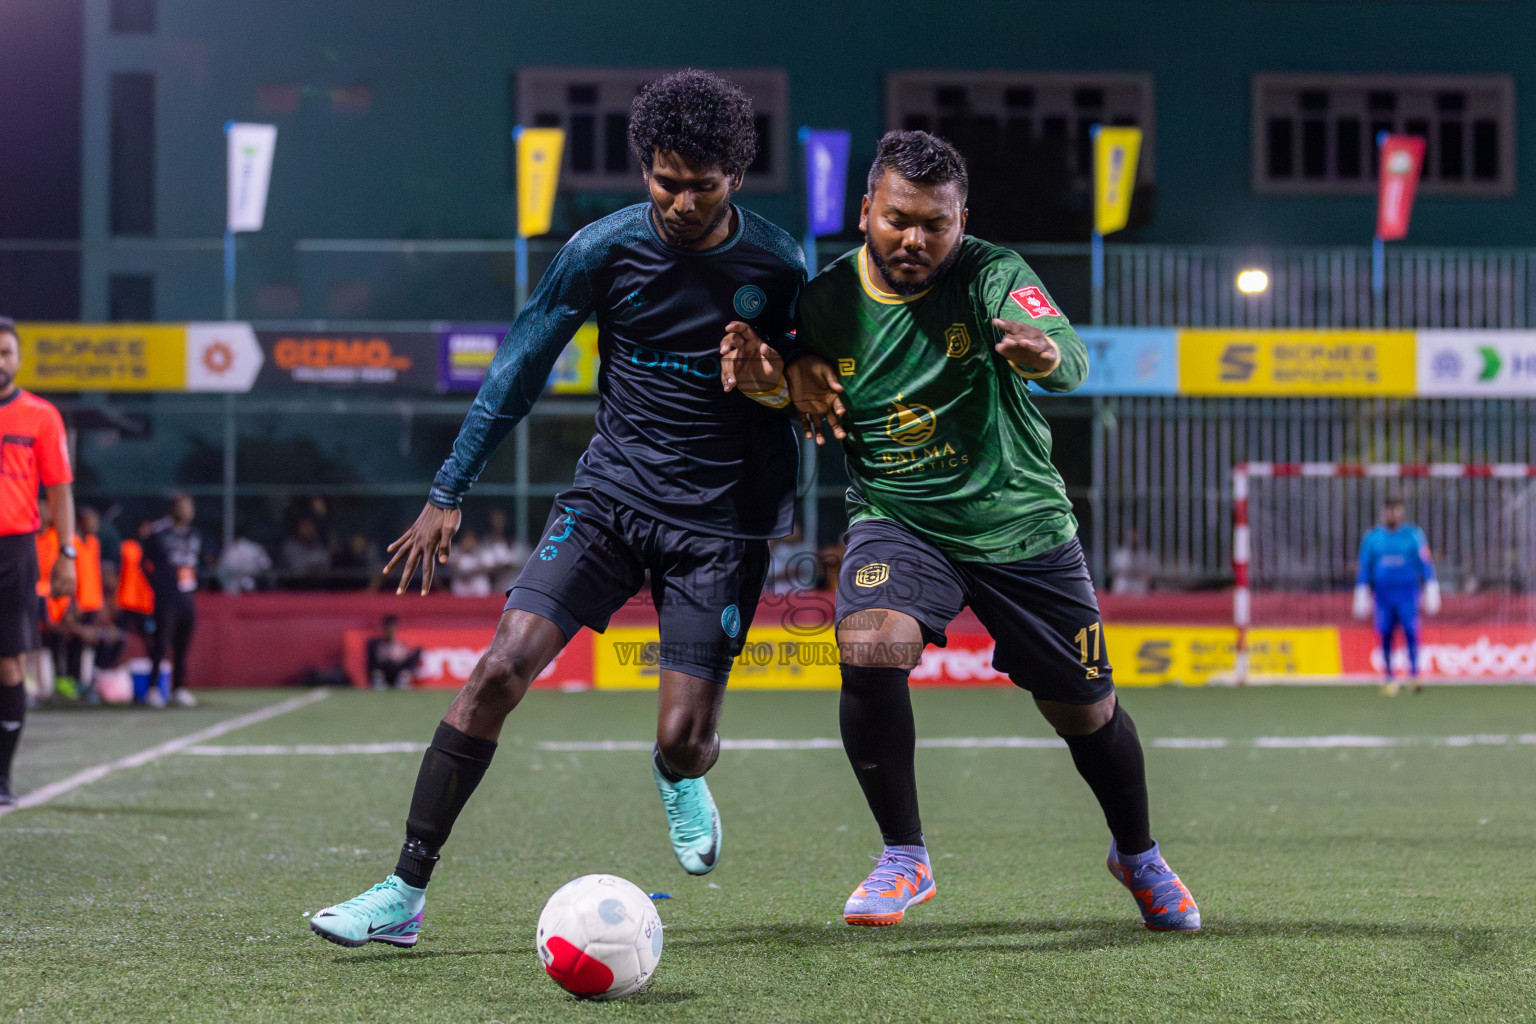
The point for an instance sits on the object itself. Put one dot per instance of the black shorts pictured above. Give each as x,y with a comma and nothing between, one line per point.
1041,612
18,595
593,557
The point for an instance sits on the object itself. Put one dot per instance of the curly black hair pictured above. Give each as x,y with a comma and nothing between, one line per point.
7,326
919,158
698,115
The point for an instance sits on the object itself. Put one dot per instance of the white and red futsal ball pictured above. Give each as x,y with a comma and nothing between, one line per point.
599,937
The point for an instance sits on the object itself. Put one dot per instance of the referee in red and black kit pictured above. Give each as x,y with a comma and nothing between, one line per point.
32,453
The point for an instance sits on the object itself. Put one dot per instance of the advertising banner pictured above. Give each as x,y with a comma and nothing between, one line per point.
1474,654
1477,364
448,656
249,169
1115,152
1255,363
1193,655
465,353
826,179
102,357
538,176
1130,361
364,361
222,357
1402,158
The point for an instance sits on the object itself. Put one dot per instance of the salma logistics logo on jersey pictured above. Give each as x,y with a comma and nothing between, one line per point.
911,424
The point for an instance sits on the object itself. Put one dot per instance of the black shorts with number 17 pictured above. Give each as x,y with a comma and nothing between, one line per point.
1041,612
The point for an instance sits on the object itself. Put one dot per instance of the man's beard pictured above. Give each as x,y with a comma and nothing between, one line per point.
901,287
685,243
6,379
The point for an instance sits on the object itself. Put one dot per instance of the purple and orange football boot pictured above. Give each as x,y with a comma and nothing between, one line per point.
902,878
1166,905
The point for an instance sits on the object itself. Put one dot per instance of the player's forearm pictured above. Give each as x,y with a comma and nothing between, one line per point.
515,381
519,370
61,506
1072,370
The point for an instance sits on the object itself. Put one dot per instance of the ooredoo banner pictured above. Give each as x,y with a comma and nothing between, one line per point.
448,656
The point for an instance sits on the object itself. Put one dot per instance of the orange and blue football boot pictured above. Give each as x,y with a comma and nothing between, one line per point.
1166,905
902,878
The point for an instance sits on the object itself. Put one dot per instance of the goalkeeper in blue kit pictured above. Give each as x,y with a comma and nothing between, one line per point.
1395,573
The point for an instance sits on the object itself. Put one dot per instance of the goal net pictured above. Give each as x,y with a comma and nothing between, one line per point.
1296,541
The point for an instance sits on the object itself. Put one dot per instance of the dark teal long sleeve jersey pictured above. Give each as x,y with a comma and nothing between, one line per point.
668,441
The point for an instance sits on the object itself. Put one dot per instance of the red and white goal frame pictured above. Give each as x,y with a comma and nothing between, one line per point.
1242,472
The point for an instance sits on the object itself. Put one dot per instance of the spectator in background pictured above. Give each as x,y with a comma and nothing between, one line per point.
468,574
1130,566
171,557
243,566
503,557
391,664
135,597
77,626
358,565
304,560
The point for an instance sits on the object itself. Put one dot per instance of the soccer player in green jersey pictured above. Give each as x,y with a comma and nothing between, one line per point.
932,338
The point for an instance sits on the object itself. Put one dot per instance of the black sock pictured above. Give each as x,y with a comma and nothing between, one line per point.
13,711
1110,762
666,770
450,770
880,738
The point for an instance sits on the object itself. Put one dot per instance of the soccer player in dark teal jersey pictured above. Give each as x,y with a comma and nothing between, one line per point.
684,479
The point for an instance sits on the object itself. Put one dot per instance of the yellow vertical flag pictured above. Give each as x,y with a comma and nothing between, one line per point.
538,175
1115,151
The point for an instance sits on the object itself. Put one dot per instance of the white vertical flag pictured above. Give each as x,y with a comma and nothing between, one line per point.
250,170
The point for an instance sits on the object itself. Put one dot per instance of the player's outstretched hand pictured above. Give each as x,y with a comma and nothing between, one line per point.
1026,347
747,361
425,544
817,395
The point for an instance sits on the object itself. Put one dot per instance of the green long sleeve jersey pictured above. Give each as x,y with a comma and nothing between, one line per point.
943,436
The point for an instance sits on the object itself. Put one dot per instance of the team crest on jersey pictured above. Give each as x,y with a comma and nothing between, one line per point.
911,424
957,341
872,575
750,300
845,367
1032,300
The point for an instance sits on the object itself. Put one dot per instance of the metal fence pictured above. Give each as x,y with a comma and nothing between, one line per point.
1194,286
1166,469
1145,285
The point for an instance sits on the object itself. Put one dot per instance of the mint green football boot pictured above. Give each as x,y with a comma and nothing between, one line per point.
389,912
693,823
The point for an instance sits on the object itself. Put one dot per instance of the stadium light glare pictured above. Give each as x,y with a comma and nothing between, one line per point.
1252,282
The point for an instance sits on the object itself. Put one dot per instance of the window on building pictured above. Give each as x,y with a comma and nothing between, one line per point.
592,105
133,17
131,298
1316,134
1054,109
132,160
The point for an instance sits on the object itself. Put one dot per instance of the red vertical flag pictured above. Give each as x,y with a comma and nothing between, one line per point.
1402,158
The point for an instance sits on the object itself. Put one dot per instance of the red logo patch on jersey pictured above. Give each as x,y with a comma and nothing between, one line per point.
1033,301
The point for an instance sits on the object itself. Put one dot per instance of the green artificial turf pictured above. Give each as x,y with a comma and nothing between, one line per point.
1391,884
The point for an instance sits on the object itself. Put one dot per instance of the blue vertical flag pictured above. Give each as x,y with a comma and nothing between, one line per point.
826,183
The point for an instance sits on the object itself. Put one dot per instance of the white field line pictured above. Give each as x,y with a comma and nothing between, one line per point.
309,748
43,794
952,743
